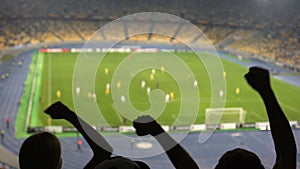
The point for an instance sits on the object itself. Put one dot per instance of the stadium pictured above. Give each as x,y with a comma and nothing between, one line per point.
182,63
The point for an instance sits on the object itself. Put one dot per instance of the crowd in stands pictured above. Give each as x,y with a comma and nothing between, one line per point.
270,29
216,34
215,11
280,48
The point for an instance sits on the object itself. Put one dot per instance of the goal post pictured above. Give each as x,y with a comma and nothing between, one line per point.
215,116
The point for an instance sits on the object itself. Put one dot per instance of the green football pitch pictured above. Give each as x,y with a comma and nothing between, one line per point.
55,74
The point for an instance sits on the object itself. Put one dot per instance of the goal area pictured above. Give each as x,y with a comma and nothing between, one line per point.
215,116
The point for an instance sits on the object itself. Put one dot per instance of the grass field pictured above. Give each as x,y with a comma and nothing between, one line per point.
57,72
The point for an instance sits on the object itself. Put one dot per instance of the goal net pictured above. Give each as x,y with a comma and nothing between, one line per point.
215,116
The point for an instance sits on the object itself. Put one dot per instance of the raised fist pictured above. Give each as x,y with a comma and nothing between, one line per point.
147,125
258,79
58,111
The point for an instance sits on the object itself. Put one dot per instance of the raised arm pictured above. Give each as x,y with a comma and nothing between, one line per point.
282,134
180,158
100,147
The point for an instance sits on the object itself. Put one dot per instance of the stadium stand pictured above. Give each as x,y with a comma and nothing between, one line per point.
273,36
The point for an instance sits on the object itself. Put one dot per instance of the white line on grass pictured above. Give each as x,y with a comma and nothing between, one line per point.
290,107
49,79
32,91
49,84
257,115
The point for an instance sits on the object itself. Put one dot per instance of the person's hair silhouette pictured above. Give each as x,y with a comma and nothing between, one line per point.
41,150
239,158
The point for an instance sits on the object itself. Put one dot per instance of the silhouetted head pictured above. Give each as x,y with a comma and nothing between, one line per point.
121,163
239,158
40,150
